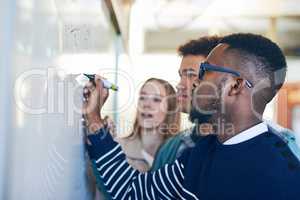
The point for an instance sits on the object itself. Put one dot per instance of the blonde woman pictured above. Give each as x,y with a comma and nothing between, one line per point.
156,120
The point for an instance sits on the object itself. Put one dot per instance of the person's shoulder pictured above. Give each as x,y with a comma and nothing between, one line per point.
169,146
284,133
277,154
287,136
176,139
172,140
168,151
281,165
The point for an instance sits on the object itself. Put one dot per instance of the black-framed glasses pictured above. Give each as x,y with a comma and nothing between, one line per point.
205,66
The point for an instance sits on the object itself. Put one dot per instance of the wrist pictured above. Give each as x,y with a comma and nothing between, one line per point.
94,125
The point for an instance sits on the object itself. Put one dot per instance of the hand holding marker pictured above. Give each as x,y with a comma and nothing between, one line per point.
91,77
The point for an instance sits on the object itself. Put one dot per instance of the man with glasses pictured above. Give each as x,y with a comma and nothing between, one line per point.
244,159
193,53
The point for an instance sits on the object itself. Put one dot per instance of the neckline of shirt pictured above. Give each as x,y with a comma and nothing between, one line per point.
247,134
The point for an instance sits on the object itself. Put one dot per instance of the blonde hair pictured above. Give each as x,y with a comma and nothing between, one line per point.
172,119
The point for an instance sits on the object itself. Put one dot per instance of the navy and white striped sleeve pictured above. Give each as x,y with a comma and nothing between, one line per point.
123,182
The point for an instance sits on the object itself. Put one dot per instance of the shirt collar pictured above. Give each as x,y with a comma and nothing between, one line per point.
248,134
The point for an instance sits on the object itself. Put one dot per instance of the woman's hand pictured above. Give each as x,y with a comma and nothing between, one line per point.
94,97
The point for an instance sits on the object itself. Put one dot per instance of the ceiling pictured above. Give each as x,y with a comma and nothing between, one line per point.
162,25
168,23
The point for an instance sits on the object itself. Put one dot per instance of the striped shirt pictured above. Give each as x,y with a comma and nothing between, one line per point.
124,182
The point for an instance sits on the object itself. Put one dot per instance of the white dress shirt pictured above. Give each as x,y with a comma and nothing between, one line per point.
247,134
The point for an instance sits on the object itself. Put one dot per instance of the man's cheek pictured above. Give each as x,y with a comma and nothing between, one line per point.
190,83
206,103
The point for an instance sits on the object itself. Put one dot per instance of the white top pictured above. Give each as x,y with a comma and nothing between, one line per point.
247,134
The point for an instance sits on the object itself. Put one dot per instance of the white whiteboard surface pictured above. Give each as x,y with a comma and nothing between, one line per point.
41,152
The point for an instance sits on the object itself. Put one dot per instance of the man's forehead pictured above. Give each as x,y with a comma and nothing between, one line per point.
192,59
191,62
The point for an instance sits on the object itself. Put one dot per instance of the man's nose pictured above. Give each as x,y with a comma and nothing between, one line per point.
181,85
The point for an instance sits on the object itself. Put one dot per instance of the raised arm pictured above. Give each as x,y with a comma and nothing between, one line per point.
124,182
120,179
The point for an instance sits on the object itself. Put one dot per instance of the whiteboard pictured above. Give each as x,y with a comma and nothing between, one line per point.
42,152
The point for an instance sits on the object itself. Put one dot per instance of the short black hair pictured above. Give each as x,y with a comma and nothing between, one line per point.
200,46
266,56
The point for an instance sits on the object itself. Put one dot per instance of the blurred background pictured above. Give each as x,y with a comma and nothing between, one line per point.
44,43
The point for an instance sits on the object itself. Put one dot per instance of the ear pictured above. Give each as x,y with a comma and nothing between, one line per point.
236,86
